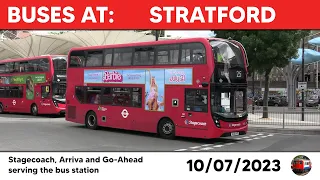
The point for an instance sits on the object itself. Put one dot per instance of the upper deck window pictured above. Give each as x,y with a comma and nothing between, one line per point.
193,53
144,56
122,57
94,58
77,59
227,53
168,54
34,65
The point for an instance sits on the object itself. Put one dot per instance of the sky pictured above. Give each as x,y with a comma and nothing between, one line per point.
173,33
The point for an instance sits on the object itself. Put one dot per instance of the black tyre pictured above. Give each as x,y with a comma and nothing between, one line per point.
166,129
91,120
34,110
1,109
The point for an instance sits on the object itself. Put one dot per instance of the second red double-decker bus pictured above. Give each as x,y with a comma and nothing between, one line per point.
34,85
188,87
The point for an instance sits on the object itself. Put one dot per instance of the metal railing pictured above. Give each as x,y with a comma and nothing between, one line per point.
284,117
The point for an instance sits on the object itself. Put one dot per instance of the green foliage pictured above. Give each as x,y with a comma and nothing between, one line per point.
267,48
301,157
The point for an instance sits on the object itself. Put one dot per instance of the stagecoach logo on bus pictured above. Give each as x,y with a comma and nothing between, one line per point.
189,122
45,104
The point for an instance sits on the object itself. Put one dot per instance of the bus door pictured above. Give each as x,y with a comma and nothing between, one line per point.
195,113
45,98
14,102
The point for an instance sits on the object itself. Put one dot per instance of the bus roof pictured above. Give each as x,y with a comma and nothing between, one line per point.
30,58
149,43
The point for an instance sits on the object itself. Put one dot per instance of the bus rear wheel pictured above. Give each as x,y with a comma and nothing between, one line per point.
34,109
91,120
166,129
1,108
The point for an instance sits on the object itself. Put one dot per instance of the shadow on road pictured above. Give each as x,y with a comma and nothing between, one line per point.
152,135
27,116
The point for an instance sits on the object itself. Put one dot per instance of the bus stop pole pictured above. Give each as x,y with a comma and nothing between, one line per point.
157,35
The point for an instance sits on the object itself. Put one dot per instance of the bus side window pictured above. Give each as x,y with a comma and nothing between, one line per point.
144,56
77,59
193,53
137,97
94,58
80,93
94,95
106,98
168,54
2,68
122,57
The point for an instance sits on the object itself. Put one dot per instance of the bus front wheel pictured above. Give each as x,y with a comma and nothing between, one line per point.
166,128
34,109
91,120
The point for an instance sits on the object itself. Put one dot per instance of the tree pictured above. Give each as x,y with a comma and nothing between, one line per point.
267,49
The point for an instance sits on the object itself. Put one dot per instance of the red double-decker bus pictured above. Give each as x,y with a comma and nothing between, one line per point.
34,85
189,87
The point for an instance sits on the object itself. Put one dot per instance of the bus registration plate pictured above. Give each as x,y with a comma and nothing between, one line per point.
235,134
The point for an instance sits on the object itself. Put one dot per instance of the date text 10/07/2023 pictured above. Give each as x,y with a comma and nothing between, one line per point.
245,165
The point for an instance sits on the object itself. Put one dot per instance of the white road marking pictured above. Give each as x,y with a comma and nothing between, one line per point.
206,149
217,146
228,144
181,150
195,147
207,145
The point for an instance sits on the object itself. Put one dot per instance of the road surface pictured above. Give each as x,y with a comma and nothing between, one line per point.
27,133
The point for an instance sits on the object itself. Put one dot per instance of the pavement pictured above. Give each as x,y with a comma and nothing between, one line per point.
28,133
287,123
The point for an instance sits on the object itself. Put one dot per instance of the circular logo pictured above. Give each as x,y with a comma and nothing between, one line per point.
14,102
125,113
301,165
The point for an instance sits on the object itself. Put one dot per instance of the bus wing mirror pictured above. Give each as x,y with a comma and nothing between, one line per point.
205,84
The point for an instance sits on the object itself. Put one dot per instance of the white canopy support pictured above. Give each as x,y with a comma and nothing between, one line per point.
37,45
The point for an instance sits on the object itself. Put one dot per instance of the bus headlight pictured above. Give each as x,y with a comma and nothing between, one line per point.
55,103
216,122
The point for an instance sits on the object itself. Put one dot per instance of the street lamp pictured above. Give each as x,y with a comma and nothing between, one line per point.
303,80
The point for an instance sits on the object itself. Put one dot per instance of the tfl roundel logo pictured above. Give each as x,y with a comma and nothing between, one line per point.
186,122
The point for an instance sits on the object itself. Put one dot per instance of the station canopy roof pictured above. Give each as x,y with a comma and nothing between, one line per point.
36,44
